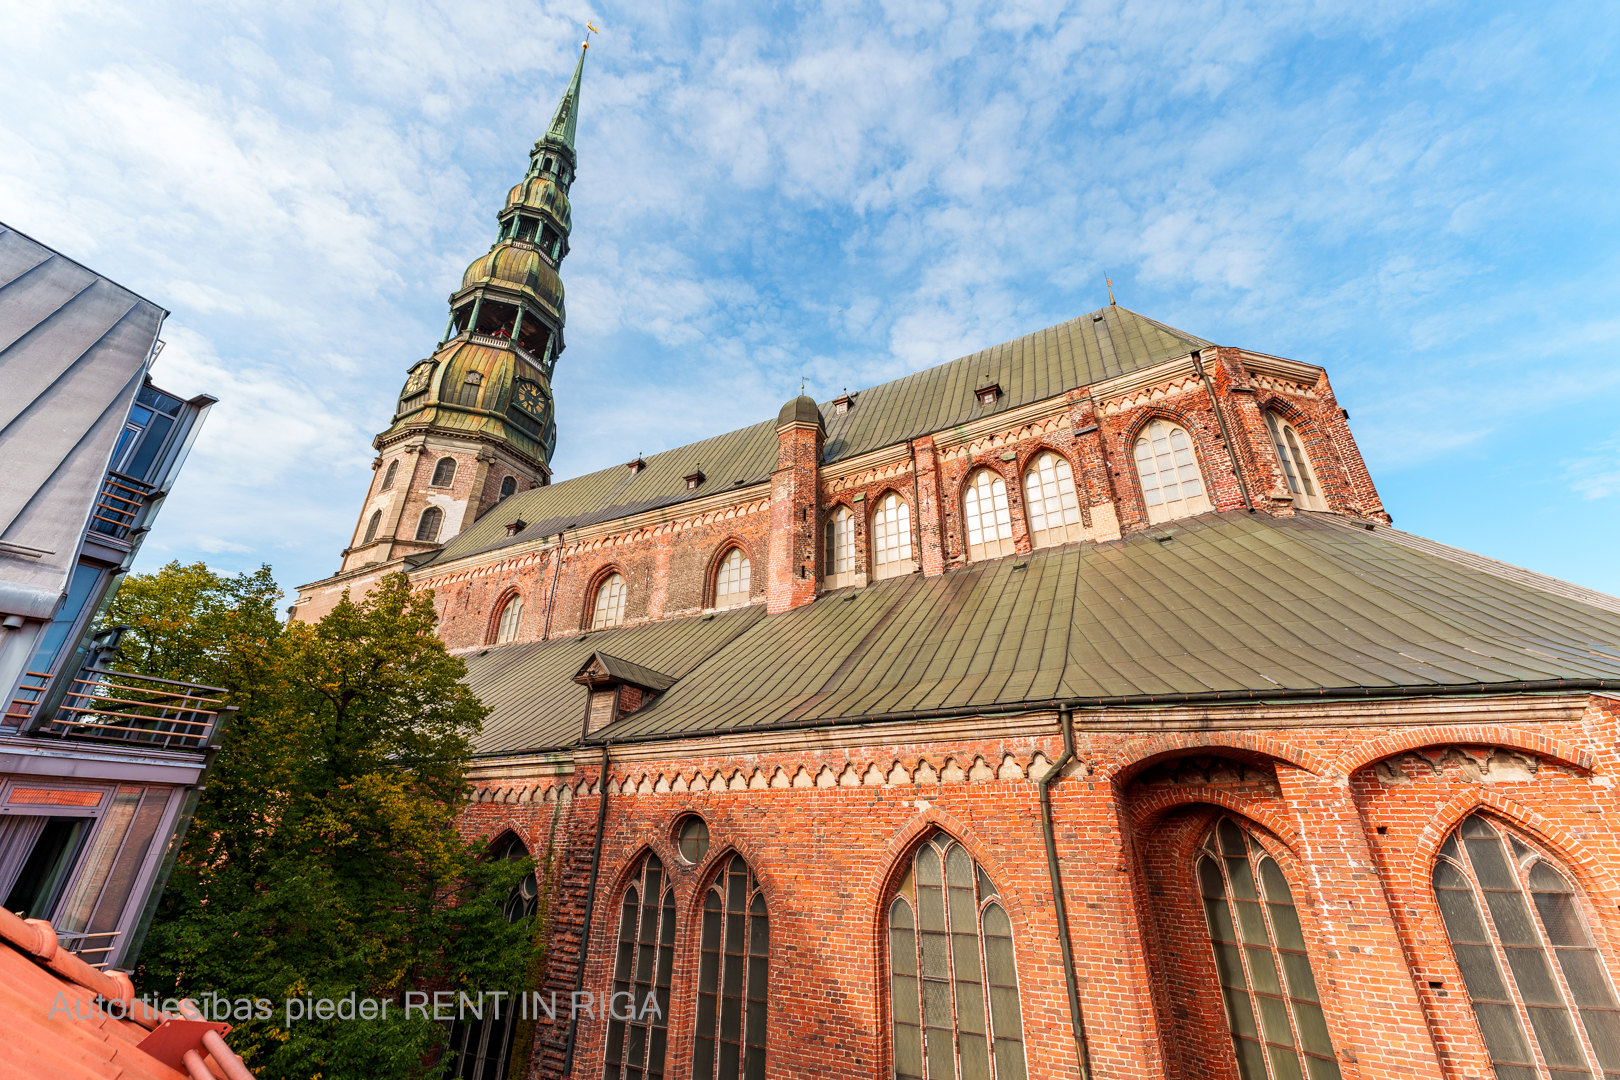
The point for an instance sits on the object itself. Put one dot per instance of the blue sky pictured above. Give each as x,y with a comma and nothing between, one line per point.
1421,197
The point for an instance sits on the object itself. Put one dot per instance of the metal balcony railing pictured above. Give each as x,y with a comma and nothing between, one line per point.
117,707
118,507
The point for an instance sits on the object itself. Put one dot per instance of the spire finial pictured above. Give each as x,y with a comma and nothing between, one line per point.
1110,291
566,120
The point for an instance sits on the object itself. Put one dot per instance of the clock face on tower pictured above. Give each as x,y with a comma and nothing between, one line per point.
529,397
419,378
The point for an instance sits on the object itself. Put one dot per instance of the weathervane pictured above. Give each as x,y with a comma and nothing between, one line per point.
1110,290
589,30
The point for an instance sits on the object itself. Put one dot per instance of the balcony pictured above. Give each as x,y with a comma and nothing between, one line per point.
118,507
115,707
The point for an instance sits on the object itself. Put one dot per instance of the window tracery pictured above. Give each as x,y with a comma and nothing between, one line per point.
731,580
1172,486
839,549
987,516
1051,502
638,1035
733,978
608,609
953,983
1296,467
511,616
891,537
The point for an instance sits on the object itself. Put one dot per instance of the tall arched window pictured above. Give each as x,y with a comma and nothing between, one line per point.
1171,483
953,984
988,519
1296,466
1272,1007
371,527
891,537
609,606
840,548
469,389
444,473
731,580
638,1030
428,525
508,486
388,477
506,628
1553,976
733,978
1049,499
481,1048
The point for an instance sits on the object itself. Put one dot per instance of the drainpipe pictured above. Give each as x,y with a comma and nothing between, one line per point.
1226,437
585,931
1081,1051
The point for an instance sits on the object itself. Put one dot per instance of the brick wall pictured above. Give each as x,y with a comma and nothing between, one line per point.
1352,802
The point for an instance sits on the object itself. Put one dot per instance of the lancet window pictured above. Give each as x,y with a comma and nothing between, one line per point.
733,978
638,1016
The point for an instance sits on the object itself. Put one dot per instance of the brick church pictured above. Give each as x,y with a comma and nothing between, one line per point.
1070,709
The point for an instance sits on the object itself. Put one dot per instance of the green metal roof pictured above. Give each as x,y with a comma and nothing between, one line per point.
1104,344
626,671
1240,605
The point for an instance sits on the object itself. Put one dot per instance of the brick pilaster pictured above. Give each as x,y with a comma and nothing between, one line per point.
930,523
795,556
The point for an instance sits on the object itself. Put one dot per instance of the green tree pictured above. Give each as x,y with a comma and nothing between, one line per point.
324,859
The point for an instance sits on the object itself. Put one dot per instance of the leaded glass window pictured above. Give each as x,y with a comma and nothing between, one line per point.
1526,955
429,524
1272,1006
1172,486
731,580
840,548
609,609
638,1013
511,616
891,537
1049,498
953,984
1296,466
733,978
988,518
481,1047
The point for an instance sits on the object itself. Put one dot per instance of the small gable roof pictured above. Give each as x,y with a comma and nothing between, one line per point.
602,668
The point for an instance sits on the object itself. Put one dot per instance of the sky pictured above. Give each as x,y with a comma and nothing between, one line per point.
1421,197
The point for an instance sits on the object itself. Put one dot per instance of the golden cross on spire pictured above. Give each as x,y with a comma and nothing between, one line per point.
1110,290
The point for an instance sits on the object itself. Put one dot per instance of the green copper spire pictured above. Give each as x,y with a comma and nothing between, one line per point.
566,121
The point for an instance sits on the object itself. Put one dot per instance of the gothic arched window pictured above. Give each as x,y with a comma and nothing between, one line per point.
371,527
508,486
388,477
511,615
731,580
988,518
953,984
1272,1007
1296,466
428,525
638,1028
891,537
733,978
444,473
839,549
1049,499
1172,486
1553,976
609,607
481,1048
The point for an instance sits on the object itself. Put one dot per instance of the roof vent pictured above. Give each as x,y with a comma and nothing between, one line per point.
636,466
515,527
843,403
988,393
693,479
1096,316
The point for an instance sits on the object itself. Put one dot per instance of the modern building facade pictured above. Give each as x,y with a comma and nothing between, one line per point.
98,771
1069,709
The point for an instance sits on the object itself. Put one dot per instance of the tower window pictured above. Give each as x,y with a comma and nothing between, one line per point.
951,1015
731,580
388,477
1532,918
989,521
641,969
469,389
891,537
428,525
1296,466
371,527
1172,486
1054,512
733,978
525,229
444,473
508,486
609,606
506,628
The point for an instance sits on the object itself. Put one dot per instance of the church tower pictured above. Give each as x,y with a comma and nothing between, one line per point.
475,421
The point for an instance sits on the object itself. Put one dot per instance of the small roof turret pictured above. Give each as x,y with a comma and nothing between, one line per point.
801,410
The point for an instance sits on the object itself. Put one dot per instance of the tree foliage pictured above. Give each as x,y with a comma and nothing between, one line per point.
324,858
